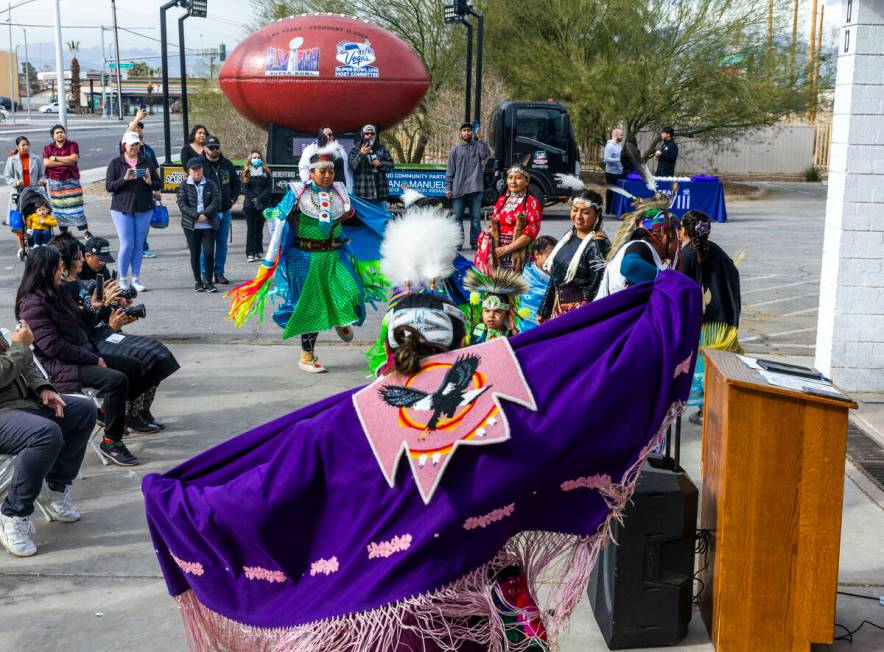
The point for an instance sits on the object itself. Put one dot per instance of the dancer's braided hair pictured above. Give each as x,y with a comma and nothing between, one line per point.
698,225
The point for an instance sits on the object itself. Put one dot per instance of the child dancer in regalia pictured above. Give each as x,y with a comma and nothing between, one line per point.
308,266
498,293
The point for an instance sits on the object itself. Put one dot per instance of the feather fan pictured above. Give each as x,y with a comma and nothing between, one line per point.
570,182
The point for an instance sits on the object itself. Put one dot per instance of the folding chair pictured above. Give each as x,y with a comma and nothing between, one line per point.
7,469
90,393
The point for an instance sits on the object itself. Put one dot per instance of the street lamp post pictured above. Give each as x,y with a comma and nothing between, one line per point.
182,64
196,8
455,13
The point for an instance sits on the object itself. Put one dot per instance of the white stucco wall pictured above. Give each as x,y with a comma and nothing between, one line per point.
850,333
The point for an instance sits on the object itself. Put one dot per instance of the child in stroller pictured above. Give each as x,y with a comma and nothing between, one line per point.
37,220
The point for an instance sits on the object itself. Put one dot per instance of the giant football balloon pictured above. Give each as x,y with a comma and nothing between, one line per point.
314,69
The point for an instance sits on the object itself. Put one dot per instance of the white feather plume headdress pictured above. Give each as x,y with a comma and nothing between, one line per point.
419,248
325,156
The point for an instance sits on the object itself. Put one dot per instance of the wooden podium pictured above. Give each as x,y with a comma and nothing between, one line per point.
773,483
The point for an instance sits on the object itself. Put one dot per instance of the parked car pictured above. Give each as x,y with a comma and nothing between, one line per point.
52,107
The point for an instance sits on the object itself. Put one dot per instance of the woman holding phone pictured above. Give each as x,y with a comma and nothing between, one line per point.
132,179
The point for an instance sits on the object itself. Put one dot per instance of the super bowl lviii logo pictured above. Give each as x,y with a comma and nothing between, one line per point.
356,60
453,400
294,62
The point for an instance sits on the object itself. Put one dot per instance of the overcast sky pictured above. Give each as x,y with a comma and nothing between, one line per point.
224,22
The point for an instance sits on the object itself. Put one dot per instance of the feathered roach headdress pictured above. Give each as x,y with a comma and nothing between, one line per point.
497,287
642,209
417,255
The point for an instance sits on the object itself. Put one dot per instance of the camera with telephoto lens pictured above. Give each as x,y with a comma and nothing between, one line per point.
127,293
138,311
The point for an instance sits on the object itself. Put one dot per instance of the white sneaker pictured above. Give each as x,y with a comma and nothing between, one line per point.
58,504
138,285
123,284
312,366
15,535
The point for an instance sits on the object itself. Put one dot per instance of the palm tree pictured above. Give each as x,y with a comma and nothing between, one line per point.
74,47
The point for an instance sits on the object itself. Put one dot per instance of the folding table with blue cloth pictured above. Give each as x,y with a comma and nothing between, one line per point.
701,192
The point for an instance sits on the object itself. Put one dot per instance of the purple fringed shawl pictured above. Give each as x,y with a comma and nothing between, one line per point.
289,537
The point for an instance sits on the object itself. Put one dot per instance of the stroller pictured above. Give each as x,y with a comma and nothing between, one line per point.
24,202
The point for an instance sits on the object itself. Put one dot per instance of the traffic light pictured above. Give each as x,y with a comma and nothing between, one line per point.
222,52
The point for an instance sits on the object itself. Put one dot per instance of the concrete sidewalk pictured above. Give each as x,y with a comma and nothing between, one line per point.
233,380
105,564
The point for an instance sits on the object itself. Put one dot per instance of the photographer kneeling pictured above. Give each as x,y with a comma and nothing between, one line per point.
68,355
47,434
107,311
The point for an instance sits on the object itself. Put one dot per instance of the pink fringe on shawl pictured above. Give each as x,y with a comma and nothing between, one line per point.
445,617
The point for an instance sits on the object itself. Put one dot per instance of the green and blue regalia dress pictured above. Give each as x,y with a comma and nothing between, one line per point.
315,280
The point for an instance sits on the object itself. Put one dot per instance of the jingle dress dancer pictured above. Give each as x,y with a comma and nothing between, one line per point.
308,265
515,223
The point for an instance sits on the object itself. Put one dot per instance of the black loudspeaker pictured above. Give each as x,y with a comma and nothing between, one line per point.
642,587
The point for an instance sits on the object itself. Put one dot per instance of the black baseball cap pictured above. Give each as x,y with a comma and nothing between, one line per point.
195,162
466,125
99,247
212,141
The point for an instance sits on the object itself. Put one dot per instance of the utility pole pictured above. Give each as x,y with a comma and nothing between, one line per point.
794,41
810,63
819,53
103,75
13,82
59,69
117,52
27,71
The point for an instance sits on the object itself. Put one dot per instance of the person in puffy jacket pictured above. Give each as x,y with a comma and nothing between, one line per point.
132,179
257,185
199,201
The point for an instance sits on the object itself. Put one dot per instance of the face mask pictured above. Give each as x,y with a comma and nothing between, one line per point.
256,162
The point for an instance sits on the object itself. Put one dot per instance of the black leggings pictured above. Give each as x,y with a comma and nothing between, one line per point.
200,240
254,230
308,342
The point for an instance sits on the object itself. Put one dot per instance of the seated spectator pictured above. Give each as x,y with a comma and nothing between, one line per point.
199,201
47,434
106,324
39,224
70,358
95,259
